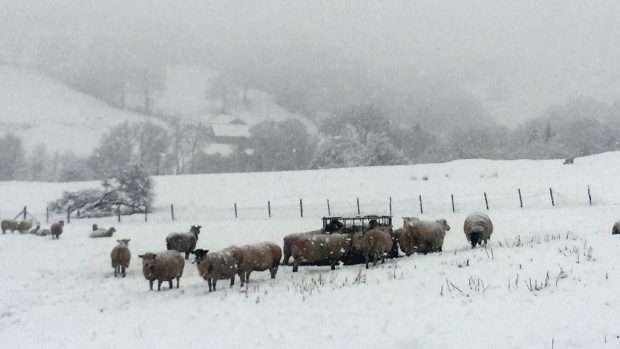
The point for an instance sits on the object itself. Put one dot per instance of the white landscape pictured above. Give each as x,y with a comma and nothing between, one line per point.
62,293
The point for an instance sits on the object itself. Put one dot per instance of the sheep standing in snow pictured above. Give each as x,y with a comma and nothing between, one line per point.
56,229
8,224
289,240
478,228
425,236
24,226
375,243
121,256
320,248
216,265
257,257
616,229
102,233
404,241
162,266
183,242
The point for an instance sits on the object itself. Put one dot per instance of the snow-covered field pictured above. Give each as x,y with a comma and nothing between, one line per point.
62,293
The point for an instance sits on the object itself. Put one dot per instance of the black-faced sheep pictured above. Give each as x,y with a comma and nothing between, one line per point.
616,229
424,236
478,228
257,257
102,233
120,256
374,244
162,266
288,240
56,229
183,242
216,265
321,248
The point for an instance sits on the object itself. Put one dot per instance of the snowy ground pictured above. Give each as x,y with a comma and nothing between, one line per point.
62,293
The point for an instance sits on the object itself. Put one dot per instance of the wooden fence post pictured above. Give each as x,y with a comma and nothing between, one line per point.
452,198
25,212
269,208
301,208
520,199
551,194
486,201
172,211
47,214
236,216
358,206
589,196
329,211
421,209
118,213
68,215
146,211
390,205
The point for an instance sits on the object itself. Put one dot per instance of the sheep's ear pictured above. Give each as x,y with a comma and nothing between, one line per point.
141,255
127,240
206,251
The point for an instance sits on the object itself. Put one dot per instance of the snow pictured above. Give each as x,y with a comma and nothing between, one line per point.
61,293
41,109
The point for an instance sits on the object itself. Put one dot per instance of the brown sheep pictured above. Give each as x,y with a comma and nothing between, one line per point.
290,239
121,256
162,266
257,257
56,229
12,225
321,248
375,243
425,236
404,241
183,242
24,226
216,266
478,228
616,229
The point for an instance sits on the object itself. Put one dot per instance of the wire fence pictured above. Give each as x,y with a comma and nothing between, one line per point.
295,208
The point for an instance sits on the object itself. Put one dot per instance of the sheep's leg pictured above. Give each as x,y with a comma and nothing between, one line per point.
209,283
247,276
366,257
186,254
178,280
232,281
375,259
295,265
170,284
115,269
159,282
151,284
124,269
214,283
273,271
286,258
333,264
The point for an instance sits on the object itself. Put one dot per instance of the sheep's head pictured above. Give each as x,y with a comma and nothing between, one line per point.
124,242
148,263
200,255
112,230
195,229
62,223
444,223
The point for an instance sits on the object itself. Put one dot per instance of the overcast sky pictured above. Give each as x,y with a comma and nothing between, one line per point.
517,57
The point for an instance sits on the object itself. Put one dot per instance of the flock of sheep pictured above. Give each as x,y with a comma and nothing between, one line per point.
314,248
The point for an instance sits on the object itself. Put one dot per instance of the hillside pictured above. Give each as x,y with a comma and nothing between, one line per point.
461,298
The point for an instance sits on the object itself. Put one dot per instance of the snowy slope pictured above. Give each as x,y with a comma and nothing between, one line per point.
46,111
62,293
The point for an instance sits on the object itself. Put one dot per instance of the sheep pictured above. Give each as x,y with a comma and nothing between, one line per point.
216,265
56,229
162,266
478,228
121,256
43,232
183,242
257,257
424,236
102,233
616,229
404,241
288,241
12,225
35,230
321,248
24,226
375,243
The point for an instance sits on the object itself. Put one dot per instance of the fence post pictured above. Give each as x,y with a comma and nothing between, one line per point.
390,205
25,212
236,210
301,208
146,211
421,209
589,196
269,208
520,199
172,211
118,213
486,201
47,214
329,211
358,206
551,194
68,215
452,198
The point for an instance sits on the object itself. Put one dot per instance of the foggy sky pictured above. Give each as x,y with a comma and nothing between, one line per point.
518,57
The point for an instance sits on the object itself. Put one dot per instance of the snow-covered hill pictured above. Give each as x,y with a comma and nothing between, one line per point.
45,111
62,293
